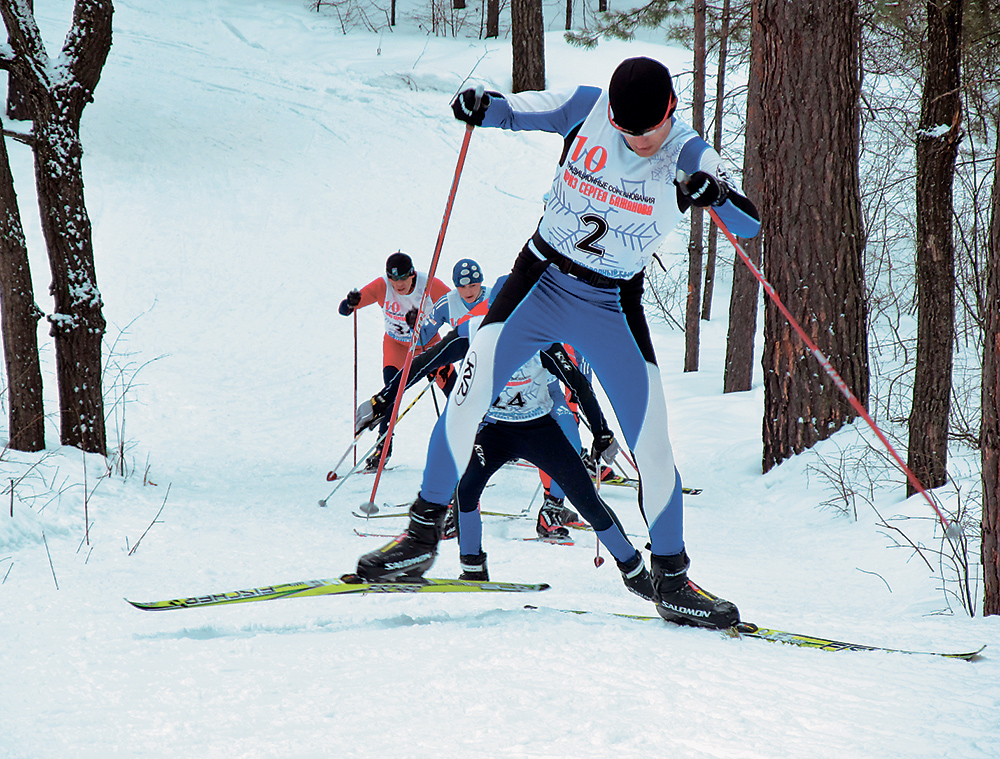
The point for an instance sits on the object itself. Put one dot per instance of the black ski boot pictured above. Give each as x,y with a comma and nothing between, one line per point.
636,577
474,567
413,552
551,518
680,601
371,463
450,528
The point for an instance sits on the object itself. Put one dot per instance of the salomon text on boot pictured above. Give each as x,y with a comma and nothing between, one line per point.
413,552
681,601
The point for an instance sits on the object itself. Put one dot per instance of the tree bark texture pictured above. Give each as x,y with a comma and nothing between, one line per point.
528,45
990,432
937,147
745,294
18,103
696,246
492,18
77,323
692,314
720,92
19,317
812,221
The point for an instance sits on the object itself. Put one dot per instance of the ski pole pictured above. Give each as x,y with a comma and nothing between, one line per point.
355,375
342,480
437,409
423,301
431,379
332,474
951,529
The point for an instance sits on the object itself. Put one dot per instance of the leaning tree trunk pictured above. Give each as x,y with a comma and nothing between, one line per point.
528,45
812,219
744,297
77,323
937,148
991,407
19,321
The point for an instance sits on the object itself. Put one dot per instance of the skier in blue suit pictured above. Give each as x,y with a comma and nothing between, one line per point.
628,171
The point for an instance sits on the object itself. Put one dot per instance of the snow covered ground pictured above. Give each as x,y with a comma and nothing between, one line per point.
246,165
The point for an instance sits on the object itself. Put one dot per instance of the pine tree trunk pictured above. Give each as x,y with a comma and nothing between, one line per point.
492,18
20,317
745,295
528,43
692,315
811,209
936,152
990,433
720,93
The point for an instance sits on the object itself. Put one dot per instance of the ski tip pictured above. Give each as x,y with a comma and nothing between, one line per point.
368,508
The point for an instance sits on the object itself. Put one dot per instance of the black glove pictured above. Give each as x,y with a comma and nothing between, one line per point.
348,304
702,189
411,317
605,447
470,106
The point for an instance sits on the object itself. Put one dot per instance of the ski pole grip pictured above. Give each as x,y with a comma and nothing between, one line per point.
479,97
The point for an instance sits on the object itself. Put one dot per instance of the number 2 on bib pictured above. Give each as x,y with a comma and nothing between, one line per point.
599,228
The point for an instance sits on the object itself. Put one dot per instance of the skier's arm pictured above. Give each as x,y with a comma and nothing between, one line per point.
373,292
735,210
452,348
557,111
557,362
438,316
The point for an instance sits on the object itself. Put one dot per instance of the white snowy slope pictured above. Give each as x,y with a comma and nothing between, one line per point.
246,165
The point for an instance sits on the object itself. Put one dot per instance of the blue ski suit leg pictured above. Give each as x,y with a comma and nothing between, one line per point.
539,305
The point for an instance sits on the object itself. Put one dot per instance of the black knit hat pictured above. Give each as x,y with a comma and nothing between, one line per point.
641,95
399,266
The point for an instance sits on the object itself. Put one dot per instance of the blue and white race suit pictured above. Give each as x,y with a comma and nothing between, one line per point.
579,280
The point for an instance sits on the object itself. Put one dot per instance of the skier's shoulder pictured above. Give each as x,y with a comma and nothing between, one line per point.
692,151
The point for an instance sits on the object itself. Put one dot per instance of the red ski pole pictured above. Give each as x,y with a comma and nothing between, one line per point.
370,507
951,529
354,410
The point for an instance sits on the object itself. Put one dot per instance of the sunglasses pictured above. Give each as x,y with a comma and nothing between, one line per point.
632,133
400,277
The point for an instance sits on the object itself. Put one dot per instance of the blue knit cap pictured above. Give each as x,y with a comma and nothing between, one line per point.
466,272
